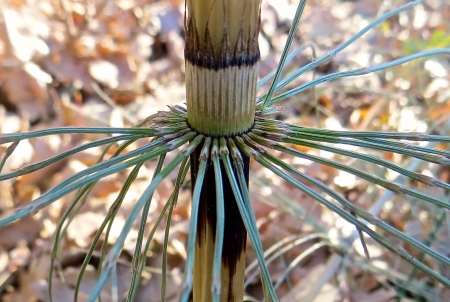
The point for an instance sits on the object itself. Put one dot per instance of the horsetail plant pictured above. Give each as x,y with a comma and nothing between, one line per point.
223,125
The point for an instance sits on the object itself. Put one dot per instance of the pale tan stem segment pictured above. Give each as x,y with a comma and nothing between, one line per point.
222,60
221,102
232,278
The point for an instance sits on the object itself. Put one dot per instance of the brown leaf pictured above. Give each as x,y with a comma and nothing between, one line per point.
27,229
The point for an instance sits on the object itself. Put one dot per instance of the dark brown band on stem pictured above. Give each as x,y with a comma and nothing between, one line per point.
207,59
235,234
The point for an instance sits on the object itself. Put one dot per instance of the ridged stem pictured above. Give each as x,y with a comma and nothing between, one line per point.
222,60
234,243
221,102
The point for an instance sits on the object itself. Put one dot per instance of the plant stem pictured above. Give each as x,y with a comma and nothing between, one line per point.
222,60
235,238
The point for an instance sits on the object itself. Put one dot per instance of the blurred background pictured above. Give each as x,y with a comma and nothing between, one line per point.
112,63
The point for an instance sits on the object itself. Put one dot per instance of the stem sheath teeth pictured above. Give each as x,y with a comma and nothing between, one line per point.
222,60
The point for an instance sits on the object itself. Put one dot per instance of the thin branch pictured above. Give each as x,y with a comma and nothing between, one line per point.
220,225
358,72
13,137
114,253
44,163
329,55
437,159
112,212
277,249
284,54
348,217
241,196
372,159
193,223
390,185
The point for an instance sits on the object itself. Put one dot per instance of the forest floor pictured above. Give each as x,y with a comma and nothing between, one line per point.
112,63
